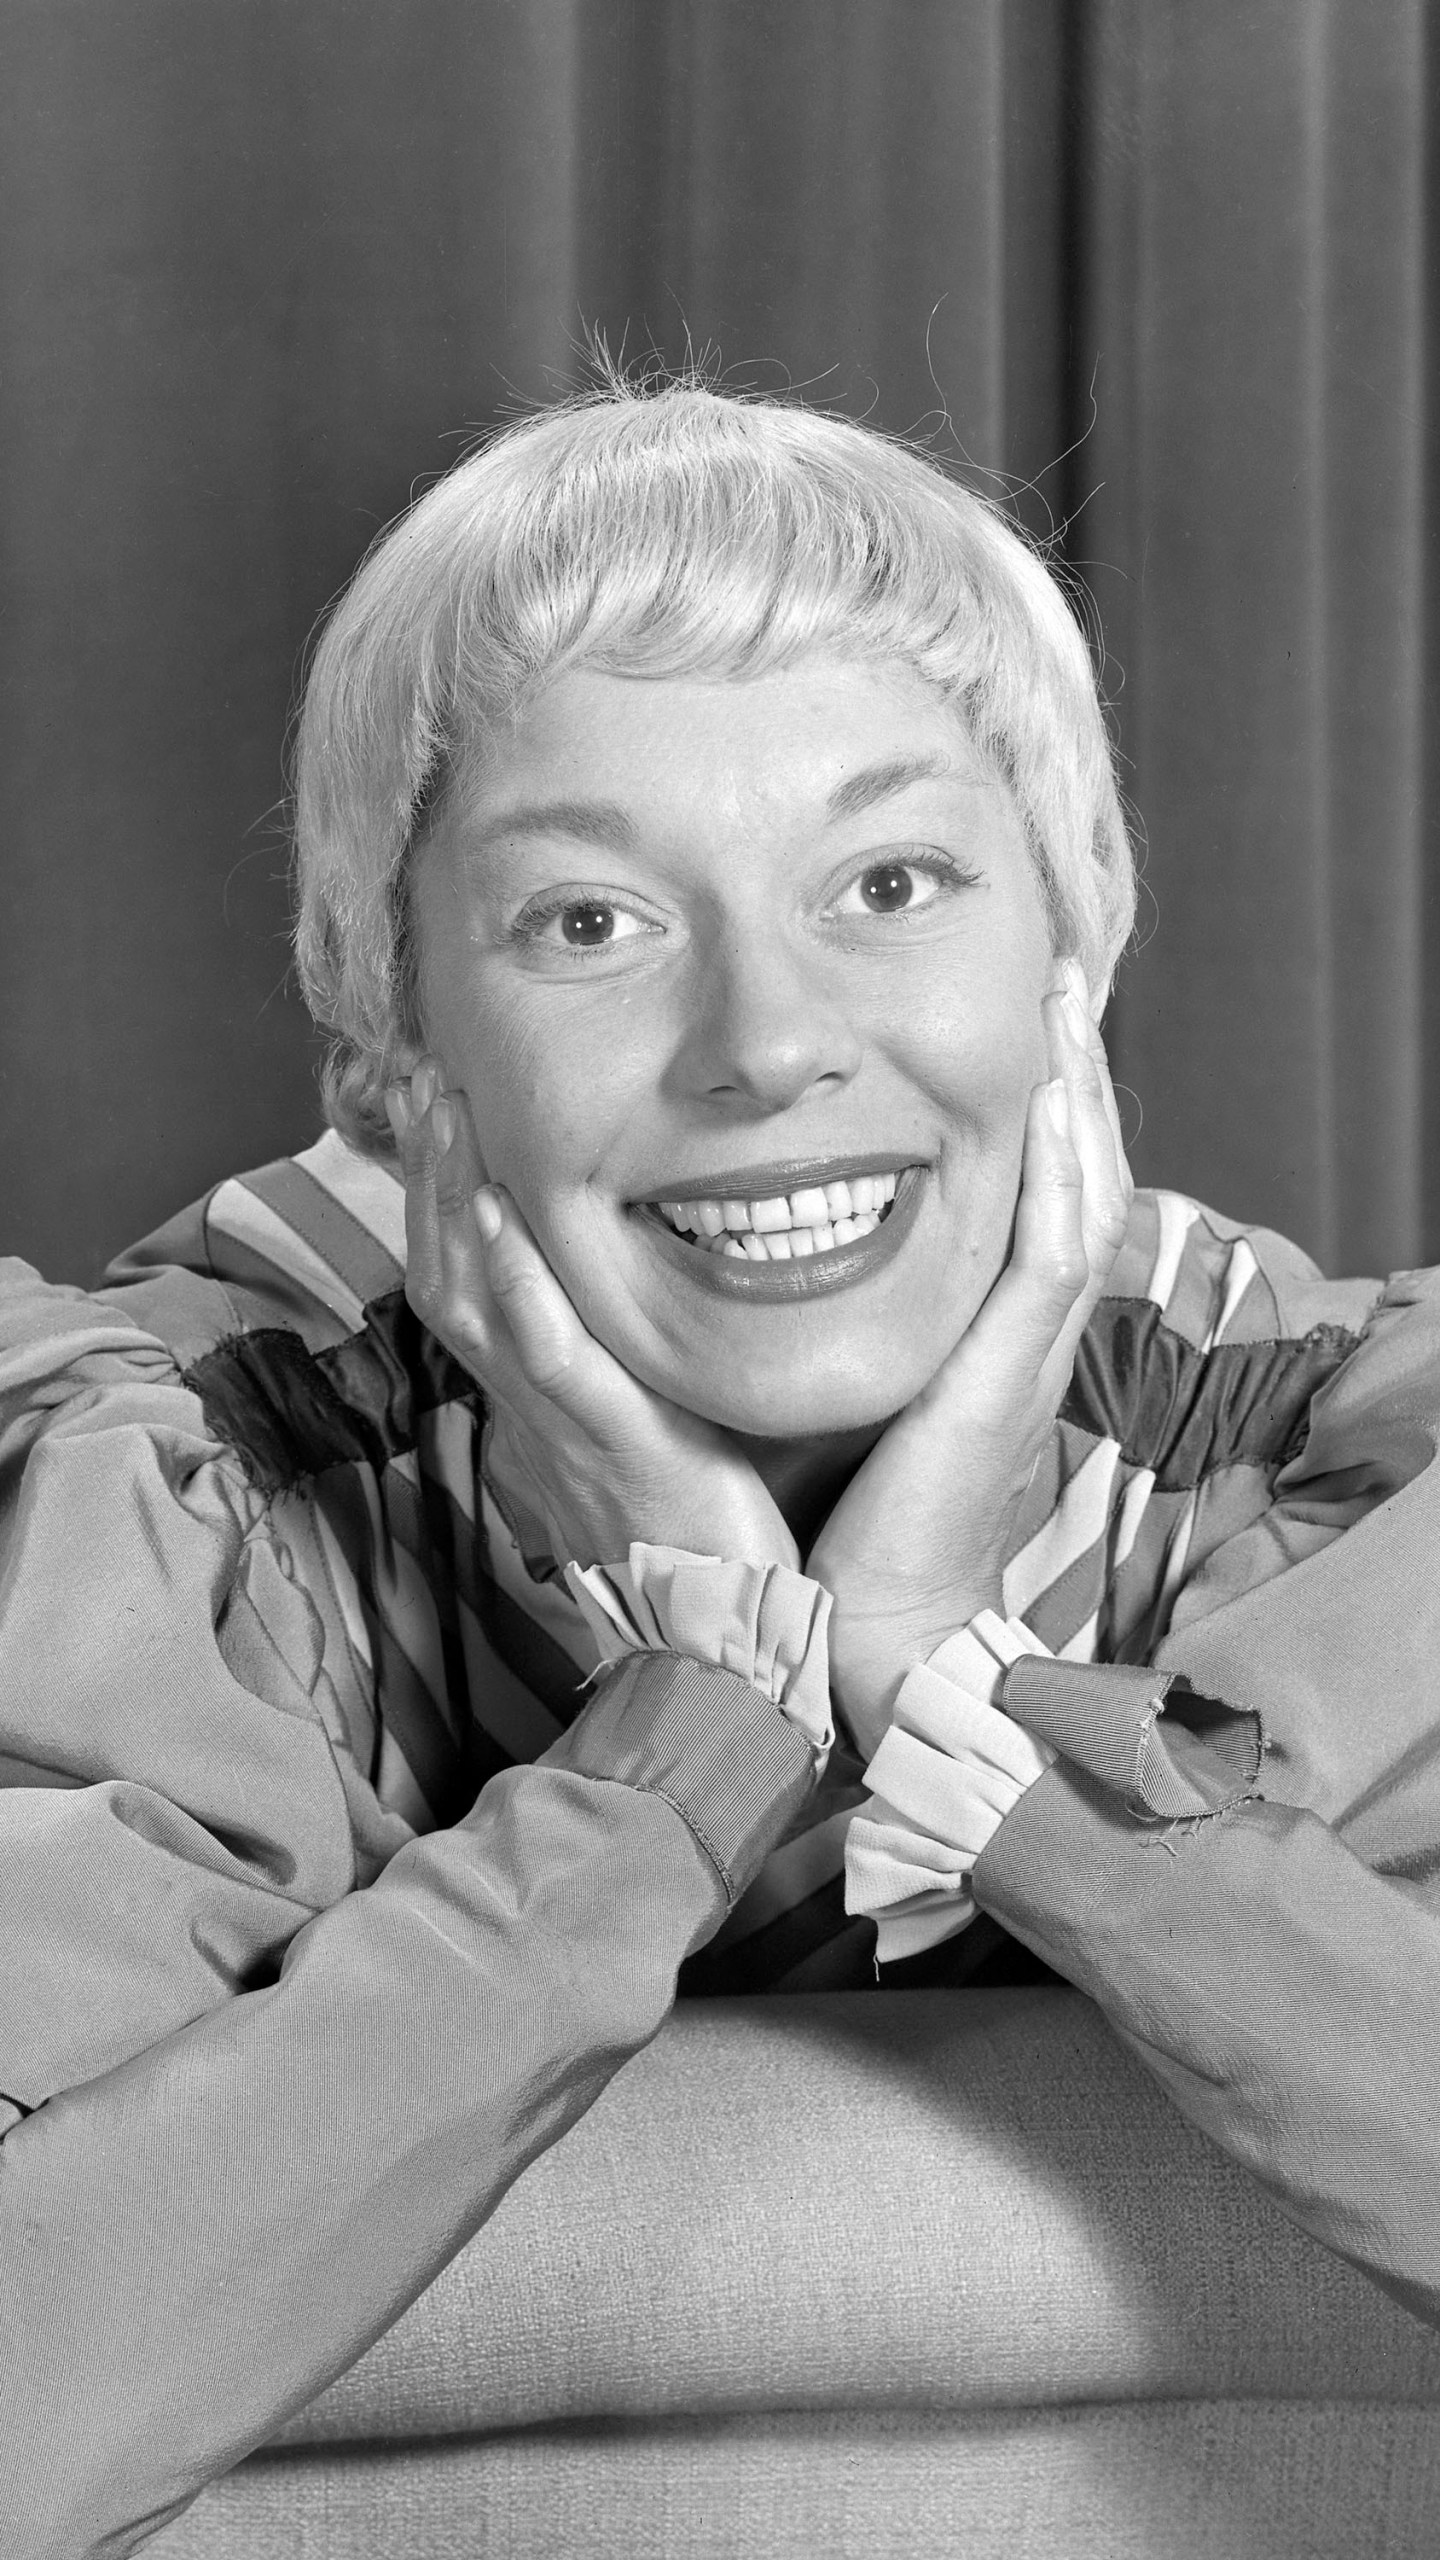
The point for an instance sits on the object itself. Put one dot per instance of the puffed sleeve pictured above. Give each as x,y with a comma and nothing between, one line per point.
250,2106
172,1811
1270,1947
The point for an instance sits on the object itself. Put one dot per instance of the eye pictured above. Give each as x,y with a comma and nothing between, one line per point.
891,886
900,888
591,921
578,923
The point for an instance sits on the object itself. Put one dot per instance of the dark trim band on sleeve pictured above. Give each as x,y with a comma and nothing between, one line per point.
292,1412
1186,1413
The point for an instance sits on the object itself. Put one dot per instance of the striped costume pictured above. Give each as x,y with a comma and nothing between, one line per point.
450,1640
326,1905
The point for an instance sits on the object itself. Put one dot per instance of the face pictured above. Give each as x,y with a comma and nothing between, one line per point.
743,982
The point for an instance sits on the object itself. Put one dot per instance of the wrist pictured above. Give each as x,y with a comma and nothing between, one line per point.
945,1774
765,1623
871,1659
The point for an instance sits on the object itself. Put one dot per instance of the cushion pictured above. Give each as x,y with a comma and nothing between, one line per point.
908,2200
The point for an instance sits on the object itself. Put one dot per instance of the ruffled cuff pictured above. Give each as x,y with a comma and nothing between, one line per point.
946,1773
762,1622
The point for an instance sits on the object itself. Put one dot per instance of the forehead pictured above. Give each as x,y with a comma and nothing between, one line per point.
822,737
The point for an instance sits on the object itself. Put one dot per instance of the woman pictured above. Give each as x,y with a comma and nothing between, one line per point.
713,1376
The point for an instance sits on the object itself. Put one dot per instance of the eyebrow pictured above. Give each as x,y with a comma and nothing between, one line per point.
604,822
593,821
861,791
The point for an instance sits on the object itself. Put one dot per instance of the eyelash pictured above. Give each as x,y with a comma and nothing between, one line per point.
532,920
530,924
942,867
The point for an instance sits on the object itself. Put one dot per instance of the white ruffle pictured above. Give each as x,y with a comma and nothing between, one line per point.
947,1772
762,1622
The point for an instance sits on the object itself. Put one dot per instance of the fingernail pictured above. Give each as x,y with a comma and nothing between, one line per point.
1077,1015
1057,1103
443,1123
487,1215
397,1112
423,1086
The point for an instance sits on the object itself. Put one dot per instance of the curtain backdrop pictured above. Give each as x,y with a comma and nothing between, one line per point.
1157,270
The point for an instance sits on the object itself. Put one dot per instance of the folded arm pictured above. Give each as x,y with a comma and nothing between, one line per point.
251,2109
1236,1851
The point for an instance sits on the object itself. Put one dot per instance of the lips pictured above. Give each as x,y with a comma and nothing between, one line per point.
818,1234
784,1174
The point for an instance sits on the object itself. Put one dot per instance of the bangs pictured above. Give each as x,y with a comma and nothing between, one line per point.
700,537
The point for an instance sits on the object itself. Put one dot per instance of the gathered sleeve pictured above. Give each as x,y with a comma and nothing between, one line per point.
1235,1849
172,1810
263,2073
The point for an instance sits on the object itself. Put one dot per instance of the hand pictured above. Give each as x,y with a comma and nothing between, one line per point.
916,1543
601,1459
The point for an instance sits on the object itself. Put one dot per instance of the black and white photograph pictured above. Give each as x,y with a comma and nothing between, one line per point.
720,1280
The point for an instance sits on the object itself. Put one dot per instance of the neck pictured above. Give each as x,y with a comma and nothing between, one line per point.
805,1478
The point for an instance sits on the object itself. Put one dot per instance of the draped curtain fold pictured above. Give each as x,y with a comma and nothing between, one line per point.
1252,304
1156,274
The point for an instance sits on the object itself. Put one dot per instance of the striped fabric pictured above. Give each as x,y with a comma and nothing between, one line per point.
452,1644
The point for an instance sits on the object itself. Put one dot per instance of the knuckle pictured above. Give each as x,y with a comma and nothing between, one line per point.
1110,1219
547,1368
1069,1273
452,1192
517,1293
512,1280
422,1297
447,1319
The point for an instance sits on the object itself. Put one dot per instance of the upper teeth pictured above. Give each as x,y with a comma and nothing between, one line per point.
812,1220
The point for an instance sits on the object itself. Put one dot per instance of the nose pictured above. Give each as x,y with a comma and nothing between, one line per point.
766,1024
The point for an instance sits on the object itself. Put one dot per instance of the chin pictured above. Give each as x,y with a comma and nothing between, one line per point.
816,1410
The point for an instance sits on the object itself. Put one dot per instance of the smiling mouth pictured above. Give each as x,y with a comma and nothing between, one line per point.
816,1218
831,1228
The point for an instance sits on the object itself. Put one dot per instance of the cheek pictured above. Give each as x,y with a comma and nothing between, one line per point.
979,1059
978,1049
550,1092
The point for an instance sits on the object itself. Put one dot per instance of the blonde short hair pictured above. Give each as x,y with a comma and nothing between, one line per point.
669,531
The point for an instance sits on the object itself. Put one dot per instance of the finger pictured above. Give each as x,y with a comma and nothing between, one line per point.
1094,1125
459,1164
1112,1115
1072,1065
496,1302
1125,1179
1048,1260
996,1365
546,1335
1089,1030
409,1109
1009,1369
444,1264
555,1353
1057,1238
465,1315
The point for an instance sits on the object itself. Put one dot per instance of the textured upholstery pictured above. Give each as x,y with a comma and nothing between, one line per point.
855,2272
1188,2480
